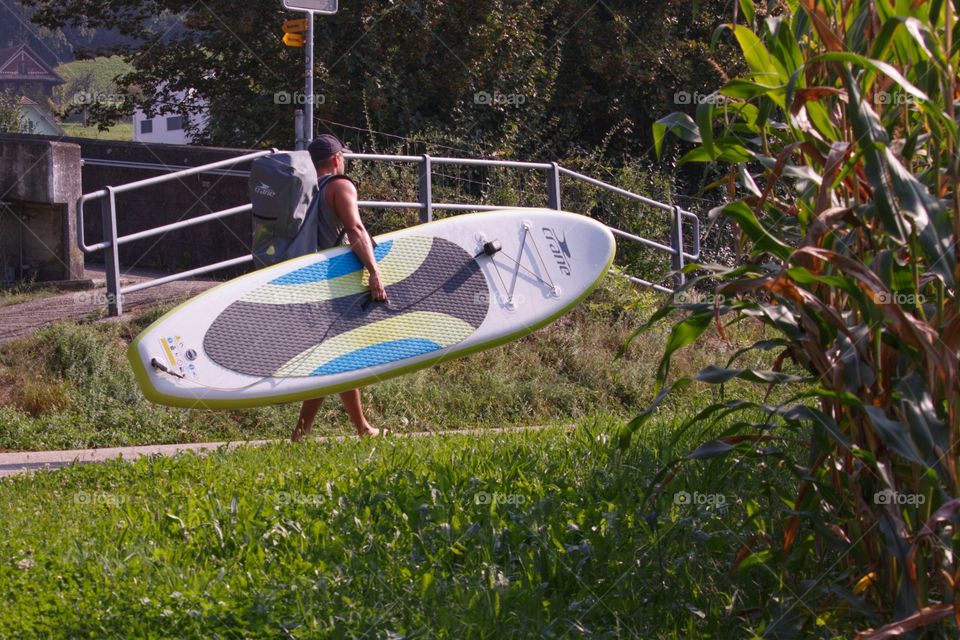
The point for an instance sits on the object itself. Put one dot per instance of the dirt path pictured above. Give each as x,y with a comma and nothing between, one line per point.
18,320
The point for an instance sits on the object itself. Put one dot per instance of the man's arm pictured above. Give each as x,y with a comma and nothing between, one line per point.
343,196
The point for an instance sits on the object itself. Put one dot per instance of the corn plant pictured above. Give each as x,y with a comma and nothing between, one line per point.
838,151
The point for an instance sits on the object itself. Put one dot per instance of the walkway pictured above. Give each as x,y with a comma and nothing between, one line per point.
18,320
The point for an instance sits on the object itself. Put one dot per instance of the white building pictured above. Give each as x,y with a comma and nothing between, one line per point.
166,128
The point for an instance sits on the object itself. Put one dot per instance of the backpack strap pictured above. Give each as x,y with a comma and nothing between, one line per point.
322,185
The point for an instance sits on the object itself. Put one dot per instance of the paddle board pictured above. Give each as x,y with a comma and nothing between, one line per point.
307,327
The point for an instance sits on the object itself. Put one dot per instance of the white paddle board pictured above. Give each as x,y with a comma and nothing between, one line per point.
307,327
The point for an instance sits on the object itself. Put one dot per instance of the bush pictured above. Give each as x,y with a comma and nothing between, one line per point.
37,397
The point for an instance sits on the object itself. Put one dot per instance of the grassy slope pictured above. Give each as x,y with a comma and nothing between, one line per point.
96,77
119,131
383,539
70,386
98,72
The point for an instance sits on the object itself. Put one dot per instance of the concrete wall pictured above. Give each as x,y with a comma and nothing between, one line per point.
39,187
59,179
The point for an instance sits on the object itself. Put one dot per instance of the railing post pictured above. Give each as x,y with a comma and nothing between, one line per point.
676,243
300,142
553,187
111,254
308,85
426,189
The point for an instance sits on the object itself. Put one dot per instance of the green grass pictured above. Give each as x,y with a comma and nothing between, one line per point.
17,294
119,131
386,539
70,385
99,72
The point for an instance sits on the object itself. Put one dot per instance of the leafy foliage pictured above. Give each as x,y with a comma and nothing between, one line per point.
520,78
15,28
10,119
840,148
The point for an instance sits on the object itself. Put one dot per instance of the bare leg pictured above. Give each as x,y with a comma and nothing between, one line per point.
351,402
308,412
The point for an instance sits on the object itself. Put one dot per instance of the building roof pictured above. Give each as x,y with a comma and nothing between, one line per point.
36,70
43,122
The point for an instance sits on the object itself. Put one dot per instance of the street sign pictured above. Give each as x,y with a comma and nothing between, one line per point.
295,26
293,31
317,6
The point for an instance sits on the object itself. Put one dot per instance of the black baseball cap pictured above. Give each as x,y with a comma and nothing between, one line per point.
325,146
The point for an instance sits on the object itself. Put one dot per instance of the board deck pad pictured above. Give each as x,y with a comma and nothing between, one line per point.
319,320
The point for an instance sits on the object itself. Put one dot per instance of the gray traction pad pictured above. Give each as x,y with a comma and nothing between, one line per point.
258,339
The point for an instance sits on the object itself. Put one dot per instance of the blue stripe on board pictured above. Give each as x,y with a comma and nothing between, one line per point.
333,268
377,354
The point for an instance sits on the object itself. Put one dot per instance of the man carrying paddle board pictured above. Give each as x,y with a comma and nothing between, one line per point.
339,216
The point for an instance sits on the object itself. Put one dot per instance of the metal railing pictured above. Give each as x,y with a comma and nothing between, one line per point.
111,243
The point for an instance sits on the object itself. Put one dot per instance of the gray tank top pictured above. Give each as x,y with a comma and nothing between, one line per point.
329,230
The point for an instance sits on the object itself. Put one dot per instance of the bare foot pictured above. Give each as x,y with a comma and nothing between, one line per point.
369,432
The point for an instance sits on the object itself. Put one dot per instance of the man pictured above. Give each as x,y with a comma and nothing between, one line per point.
338,214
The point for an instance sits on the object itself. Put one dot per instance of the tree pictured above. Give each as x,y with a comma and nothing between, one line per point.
10,118
512,77
15,28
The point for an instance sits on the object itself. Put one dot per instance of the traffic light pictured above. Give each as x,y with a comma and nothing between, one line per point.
293,32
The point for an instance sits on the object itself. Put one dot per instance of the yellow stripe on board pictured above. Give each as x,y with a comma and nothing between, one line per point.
441,328
166,347
405,257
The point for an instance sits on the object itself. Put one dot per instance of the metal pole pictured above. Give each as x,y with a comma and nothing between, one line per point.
111,254
553,186
299,137
23,223
308,129
426,189
676,242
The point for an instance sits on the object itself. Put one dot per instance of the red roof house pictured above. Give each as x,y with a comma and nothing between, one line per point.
23,71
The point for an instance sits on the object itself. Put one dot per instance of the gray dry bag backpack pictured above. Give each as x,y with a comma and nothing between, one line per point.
282,186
